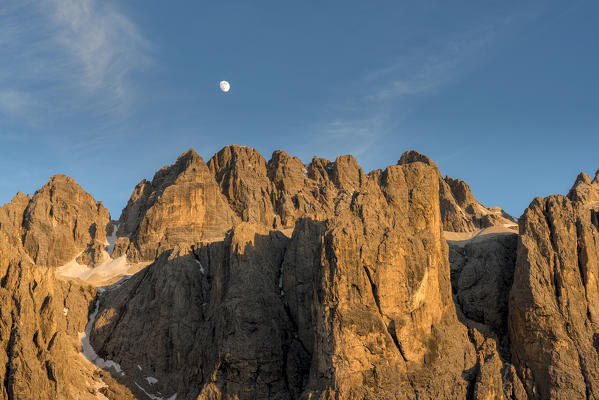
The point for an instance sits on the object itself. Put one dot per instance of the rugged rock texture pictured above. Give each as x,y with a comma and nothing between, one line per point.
554,302
61,221
460,212
181,205
213,320
279,280
482,271
241,175
40,316
383,309
190,202
356,303
273,194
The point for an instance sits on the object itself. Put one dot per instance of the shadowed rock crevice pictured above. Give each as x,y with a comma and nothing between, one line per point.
482,273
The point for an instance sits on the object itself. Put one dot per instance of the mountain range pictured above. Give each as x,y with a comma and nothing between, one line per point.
242,278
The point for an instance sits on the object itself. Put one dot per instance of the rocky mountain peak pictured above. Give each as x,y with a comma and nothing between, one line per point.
582,178
412,156
182,204
555,295
460,211
188,163
20,198
461,192
585,191
347,174
41,317
276,280
286,173
241,174
15,208
62,220
237,157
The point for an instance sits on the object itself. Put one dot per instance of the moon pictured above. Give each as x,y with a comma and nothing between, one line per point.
224,86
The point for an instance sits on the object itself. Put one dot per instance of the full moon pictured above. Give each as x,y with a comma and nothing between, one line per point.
224,86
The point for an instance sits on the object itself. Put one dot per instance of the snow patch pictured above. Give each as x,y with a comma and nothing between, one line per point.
151,380
281,280
202,270
483,210
102,274
111,239
88,351
154,397
139,366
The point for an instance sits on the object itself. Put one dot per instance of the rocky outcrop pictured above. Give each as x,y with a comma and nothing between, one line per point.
41,317
460,212
216,316
554,300
482,272
241,174
279,280
355,303
190,201
181,205
61,221
383,306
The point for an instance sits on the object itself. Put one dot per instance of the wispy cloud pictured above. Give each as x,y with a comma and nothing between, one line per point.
353,135
427,70
103,44
15,102
384,96
68,55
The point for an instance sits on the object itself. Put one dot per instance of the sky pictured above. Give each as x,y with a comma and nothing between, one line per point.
501,94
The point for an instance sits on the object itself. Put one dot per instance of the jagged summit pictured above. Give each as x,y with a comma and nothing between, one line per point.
20,196
411,156
257,279
584,190
41,316
238,184
60,221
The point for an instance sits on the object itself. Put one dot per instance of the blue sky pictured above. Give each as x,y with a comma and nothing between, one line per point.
502,94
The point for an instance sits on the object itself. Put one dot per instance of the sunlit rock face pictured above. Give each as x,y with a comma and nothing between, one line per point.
182,204
554,300
328,282
243,278
62,221
42,317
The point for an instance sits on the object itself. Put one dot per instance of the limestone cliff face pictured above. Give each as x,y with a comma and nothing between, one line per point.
182,204
241,175
555,297
482,273
61,221
41,317
191,201
383,309
460,212
213,321
355,302
279,280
